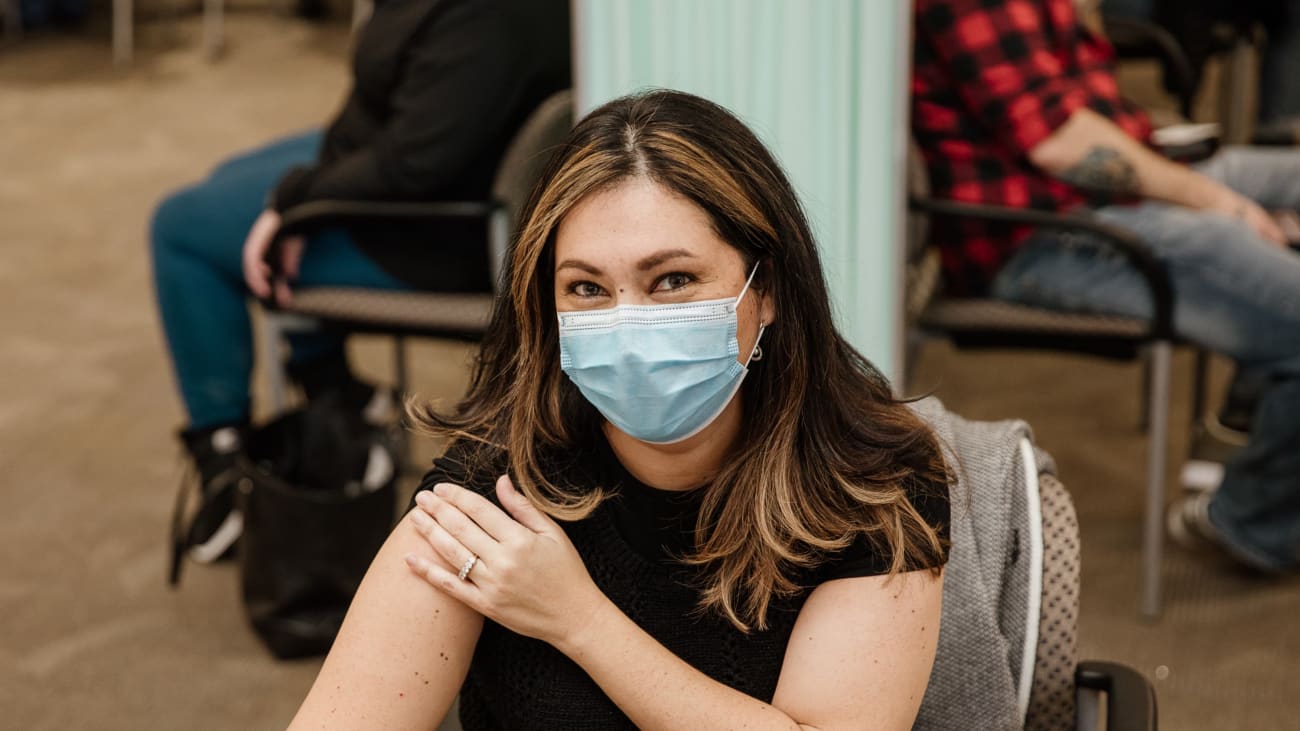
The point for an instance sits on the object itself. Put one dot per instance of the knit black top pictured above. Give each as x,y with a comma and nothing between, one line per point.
629,545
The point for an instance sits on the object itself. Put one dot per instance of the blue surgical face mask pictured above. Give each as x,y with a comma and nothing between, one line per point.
660,373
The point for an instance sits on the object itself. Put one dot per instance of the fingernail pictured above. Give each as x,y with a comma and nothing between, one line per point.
412,560
424,499
421,519
440,489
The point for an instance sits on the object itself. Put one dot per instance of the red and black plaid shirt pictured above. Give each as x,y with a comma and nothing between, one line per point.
992,79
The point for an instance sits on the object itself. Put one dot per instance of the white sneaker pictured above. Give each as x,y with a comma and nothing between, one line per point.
1202,475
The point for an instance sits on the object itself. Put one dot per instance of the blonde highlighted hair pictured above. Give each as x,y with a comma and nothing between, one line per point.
826,455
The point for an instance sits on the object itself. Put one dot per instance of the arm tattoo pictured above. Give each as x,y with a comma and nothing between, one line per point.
1103,170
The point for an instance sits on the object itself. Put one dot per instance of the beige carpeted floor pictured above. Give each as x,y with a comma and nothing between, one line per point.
89,635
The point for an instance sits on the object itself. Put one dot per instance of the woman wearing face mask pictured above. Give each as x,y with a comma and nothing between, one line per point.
675,497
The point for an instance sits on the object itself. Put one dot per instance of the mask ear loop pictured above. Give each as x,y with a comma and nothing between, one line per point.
757,353
745,289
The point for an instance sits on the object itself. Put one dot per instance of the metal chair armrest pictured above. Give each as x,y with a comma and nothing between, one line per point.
1127,244
313,216
1130,699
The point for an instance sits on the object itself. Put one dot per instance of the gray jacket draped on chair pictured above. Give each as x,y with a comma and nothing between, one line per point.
984,662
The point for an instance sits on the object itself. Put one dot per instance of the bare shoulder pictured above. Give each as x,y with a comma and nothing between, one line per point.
403,650
863,646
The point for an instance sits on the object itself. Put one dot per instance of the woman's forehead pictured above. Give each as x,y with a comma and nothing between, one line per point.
633,220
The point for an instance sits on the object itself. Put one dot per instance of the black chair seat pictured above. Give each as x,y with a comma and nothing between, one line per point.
990,315
989,323
416,313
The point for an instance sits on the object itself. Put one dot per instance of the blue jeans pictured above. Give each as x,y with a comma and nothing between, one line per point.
1235,294
197,241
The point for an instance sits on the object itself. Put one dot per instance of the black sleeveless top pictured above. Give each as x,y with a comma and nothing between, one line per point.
629,545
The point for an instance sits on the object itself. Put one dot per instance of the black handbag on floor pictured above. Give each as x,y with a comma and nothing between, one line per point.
318,502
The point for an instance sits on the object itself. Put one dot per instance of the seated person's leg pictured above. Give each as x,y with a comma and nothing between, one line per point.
1236,294
1267,175
1271,177
197,237
1255,514
276,156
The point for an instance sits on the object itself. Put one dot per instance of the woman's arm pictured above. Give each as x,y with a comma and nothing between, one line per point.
402,653
861,652
1091,152
859,656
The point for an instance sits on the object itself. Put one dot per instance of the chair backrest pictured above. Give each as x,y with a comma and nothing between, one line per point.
1052,696
529,151
923,271
1006,653
918,184
520,167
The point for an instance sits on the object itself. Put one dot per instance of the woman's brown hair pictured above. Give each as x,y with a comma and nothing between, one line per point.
825,456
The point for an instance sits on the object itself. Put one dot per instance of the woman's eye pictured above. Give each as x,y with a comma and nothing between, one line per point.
674,281
586,289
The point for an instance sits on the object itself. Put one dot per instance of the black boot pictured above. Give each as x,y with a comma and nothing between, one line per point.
329,375
328,379
1239,405
213,527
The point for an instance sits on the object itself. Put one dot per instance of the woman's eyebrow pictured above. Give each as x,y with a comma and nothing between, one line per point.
646,264
579,264
654,260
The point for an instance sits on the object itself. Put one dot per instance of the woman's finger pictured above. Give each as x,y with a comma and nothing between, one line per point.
521,508
292,248
445,581
255,275
456,524
443,543
480,510
256,272
283,295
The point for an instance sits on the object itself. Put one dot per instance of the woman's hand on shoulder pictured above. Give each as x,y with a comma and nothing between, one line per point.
528,577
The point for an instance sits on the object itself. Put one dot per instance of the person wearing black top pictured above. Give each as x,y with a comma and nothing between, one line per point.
675,497
440,87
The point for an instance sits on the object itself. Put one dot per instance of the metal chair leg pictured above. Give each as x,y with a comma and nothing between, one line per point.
1144,401
405,447
361,12
13,21
399,364
1161,356
214,15
123,31
1233,90
1200,373
273,332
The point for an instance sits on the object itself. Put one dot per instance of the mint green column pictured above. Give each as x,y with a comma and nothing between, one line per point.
823,83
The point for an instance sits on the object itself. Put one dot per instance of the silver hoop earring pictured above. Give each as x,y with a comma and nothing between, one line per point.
757,355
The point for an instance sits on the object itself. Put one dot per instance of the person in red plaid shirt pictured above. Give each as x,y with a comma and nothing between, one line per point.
1014,103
